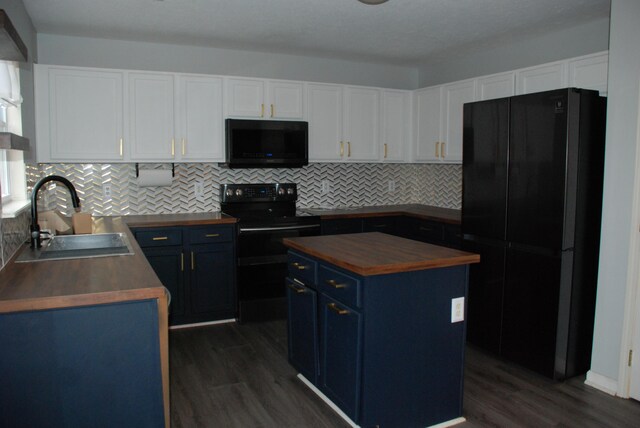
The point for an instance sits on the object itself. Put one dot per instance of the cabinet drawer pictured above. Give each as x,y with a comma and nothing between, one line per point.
340,286
430,231
210,235
159,237
302,268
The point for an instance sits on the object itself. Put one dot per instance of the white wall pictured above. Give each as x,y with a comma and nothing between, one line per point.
620,156
583,39
88,52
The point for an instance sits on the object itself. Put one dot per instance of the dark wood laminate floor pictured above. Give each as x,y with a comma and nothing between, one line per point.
232,375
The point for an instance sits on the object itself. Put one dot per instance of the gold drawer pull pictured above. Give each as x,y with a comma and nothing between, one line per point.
442,150
299,266
193,262
161,238
337,310
334,284
181,262
296,289
437,149
211,235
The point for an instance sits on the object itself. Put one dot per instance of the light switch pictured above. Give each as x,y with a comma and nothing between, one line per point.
457,309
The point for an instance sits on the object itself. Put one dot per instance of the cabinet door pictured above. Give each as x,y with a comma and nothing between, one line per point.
324,112
80,114
590,72
211,283
387,224
395,123
151,117
453,98
496,86
427,124
541,78
285,100
340,354
245,98
302,323
168,264
361,123
200,127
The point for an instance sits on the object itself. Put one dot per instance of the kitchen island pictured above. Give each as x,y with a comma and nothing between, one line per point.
85,341
376,326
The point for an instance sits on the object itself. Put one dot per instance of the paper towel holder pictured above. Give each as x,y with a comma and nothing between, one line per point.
173,170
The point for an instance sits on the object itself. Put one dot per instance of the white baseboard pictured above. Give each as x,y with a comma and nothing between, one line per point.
201,324
603,383
348,420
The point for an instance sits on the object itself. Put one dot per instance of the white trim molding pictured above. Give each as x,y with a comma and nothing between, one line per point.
602,383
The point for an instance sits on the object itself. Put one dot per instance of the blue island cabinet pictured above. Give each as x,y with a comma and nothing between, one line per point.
383,348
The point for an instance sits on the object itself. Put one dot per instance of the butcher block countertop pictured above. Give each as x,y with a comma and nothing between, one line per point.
376,253
425,212
90,281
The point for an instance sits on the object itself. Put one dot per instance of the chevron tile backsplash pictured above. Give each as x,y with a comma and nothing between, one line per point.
349,185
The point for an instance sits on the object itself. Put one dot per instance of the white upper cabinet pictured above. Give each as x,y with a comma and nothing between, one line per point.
200,136
324,113
496,86
395,123
151,117
541,78
427,104
590,72
264,99
361,123
79,114
453,98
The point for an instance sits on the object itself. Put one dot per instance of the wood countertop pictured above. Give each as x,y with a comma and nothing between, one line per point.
80,282
425,212
376,253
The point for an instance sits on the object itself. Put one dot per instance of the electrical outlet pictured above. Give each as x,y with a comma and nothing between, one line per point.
106,191
457,309
326,187
198,189
391,185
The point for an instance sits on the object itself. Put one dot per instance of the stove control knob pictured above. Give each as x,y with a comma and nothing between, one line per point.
290,191
281,191
238,192
229,192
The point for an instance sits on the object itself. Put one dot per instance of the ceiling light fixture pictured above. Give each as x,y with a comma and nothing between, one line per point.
372,2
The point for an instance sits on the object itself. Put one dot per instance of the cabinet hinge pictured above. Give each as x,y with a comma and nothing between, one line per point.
630,357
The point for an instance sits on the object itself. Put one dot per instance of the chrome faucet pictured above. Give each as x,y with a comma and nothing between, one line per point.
35,227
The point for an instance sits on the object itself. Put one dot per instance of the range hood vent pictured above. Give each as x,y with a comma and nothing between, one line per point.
12,48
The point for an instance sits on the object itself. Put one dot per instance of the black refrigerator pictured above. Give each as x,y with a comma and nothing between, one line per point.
531,207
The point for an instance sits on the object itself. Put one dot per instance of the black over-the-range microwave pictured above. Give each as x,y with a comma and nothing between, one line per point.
266,143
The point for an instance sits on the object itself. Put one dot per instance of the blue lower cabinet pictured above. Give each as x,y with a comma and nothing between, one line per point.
387,351
340,354
211,281
302,327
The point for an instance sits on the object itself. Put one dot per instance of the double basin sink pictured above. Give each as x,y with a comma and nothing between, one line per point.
62,247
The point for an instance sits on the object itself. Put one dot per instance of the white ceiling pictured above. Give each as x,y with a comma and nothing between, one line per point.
402,32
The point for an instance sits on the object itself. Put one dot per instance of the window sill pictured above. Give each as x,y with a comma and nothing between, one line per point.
14,208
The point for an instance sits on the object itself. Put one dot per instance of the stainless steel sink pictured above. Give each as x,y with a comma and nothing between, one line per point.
79,247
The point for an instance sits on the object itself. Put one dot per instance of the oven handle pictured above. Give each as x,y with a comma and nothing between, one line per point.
275,229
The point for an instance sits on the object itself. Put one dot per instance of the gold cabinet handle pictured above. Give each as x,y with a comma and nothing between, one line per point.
121,147
262,111
442,150
385,150
272,110
337,310
341,149
193,262
298,266
160,238
298,290
211,235
334,284
184,145
173,147
181,262
437,149
348,149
